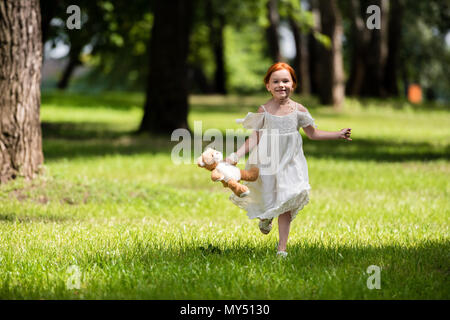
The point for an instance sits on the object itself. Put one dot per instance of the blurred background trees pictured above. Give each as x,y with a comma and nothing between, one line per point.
170,49
232,43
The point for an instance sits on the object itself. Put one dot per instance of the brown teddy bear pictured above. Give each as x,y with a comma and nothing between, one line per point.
226,173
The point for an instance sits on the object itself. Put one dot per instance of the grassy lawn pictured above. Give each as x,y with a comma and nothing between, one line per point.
137,226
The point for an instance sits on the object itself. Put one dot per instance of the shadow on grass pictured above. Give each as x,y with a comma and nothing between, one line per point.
433,253
68,140
12,217
76,131
376,150
110,100
409,272
436,252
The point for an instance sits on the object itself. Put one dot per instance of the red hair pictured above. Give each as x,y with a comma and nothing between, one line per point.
280,66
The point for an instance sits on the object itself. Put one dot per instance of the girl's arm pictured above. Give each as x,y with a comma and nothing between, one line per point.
246,147
316,134
249,144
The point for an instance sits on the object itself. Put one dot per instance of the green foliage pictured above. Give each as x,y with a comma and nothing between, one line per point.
123,63
140,227
200,50
116,35
303,18
241,13
246,63
424,51
119,33
240,17
323,39
293,9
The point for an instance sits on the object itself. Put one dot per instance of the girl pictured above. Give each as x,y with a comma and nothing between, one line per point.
282,188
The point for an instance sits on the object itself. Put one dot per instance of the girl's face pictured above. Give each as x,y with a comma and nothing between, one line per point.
280,84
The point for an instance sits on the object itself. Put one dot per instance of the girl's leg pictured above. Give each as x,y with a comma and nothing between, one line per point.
284,224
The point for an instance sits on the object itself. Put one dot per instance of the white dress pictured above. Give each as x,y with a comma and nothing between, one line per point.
283,183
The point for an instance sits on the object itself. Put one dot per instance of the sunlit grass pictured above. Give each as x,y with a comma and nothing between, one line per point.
140,227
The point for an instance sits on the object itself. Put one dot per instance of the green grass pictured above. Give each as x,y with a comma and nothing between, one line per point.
140,227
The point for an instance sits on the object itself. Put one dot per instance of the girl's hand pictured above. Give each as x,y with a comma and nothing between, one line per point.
232,159
345,134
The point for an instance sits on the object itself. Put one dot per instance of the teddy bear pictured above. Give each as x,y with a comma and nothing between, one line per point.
226,173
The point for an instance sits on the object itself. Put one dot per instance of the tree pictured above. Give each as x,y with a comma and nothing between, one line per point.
209,69
301,22
359,40
331,61
314,47
20,74
166,105
424,55
272,30
74,61
111,41
301,59
370,50
215,12
48,11
396,10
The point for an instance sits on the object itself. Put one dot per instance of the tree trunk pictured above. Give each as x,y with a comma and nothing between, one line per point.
198,82
74,61
360,38
394,37
314,48
331,67
376,56
272,30
369,53
20,76
166,106
48,10
301,59
216,20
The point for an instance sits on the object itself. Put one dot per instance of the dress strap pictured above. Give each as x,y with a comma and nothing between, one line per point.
263,108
